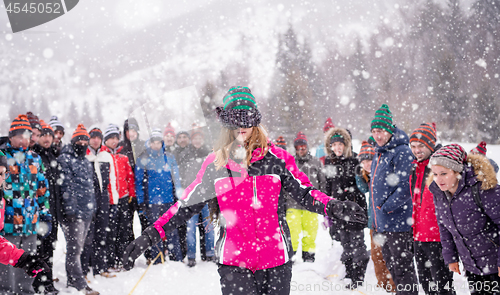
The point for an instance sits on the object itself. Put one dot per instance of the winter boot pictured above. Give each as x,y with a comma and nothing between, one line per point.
89,291
308,256
191,262
348,268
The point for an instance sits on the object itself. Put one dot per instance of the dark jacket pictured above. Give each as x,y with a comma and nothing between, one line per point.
466,231
189,161
131,149
390,187
101,163
51,172
77,186
340,175
313,169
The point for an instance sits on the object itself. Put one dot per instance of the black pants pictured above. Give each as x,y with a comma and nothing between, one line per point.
235,280
95,251
397,249
483,284
45,248
355,256
121,234
431,268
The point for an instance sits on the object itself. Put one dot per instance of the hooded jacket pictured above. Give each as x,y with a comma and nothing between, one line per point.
122,184
26,191
77,185
131,149
254,233
390,186
340,175
157,177
425,227
466,231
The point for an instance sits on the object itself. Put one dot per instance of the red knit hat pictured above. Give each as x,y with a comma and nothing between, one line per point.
426,134
280,142
480,148
301,139
367,151
80,134
46,128
169,129
328,125
196,131
20,125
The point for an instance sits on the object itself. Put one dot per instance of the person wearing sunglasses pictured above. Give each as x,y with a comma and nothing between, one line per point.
245,181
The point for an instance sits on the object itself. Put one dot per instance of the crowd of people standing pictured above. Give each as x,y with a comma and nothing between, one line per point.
427,206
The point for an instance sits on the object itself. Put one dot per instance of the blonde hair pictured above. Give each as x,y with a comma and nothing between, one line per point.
226,144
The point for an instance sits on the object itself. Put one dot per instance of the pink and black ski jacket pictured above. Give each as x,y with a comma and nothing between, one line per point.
254,233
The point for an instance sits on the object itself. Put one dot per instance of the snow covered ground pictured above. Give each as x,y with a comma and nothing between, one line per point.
322,277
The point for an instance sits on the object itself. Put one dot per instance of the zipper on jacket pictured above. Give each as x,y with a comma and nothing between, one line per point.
282,232
254,180
373,200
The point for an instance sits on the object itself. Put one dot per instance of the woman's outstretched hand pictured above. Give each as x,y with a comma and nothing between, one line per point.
149,237
347,211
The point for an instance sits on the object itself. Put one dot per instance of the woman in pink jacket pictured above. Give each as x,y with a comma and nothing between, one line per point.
9,254
245,182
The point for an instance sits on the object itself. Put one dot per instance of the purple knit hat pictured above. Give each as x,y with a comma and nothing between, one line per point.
451,156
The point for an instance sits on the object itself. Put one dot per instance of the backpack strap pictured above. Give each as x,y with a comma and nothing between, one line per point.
477,197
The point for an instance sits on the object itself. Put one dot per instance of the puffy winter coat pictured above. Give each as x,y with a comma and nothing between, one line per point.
313,169
425,227
390,187
9,254
122,184
340,175
101,162
254,233
466,231
156,177
76,184
26,192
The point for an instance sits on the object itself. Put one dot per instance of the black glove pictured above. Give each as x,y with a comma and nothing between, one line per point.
347,211
45,226
32,264
149,237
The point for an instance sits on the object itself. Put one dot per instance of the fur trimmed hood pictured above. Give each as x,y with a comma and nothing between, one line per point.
483,172
347,140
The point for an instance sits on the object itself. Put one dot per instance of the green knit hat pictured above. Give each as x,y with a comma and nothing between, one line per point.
383,119
239,109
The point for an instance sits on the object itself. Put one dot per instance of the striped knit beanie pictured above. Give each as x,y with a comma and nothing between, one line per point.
300,140
367,151
328,125
196,131
169,129
239,110
111,131
56,125
479,149
337,137
20,125
96,132
280,142
80,134
34,121
450,156
383,119
156,135
426,134
46,129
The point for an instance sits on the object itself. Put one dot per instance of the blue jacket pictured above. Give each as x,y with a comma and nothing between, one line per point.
156,177
391,201
77,185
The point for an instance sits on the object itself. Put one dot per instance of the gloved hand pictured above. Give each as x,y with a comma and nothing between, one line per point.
32,264
149,237
45,226
347,211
